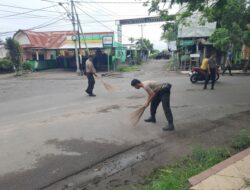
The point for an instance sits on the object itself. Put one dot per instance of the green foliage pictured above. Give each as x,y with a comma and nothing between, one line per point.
175,177
231,16
6,65
26,66
127,68
144,44
15,53
221,39
247,182
242,140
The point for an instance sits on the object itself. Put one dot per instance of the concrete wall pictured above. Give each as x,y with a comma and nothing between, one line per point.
22,39
3,51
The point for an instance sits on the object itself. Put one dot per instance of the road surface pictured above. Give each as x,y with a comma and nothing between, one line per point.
50,129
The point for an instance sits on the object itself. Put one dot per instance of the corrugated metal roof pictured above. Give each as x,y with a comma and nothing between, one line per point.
51,40
48,40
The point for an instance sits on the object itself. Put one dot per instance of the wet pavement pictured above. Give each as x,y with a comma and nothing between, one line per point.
50,129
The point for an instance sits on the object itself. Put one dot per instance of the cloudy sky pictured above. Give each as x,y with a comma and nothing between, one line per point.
95,16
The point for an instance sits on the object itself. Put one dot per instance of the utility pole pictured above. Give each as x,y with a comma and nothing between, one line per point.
75,35
141,40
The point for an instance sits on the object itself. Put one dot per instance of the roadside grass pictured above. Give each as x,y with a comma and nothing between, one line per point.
127,68
247,182
242,140
175,176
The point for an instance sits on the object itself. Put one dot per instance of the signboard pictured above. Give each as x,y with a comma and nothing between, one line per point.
107,41
186,42
141,20
196,55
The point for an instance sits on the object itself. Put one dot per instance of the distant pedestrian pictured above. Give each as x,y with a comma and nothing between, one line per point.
211,71
157,93
228,63
90,73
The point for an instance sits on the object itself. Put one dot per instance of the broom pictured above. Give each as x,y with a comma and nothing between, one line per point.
136,115
107,86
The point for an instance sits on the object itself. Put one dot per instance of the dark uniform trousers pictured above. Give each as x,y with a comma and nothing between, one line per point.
91,83
162,96
227,68
212,77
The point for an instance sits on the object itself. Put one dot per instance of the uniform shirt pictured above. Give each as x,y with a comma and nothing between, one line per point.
204,64
90,67
152,86
212,63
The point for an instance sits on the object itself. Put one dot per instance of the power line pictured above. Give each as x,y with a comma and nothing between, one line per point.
48,23
94,18
111,13
114,2
99,21
44,25
34,15
25,8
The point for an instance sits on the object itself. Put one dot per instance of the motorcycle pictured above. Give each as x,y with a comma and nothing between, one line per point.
197,74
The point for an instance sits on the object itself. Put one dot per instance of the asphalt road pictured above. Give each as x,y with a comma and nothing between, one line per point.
50,129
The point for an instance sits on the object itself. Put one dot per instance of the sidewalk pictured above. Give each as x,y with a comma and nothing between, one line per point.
231,174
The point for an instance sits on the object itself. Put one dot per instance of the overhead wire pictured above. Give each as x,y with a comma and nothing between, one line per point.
27,14
25,8
98,21
100,7
115,2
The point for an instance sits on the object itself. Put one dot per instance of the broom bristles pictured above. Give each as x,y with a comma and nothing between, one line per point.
136,115
108,87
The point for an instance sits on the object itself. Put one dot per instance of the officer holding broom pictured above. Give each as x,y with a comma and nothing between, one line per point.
90,72
157,93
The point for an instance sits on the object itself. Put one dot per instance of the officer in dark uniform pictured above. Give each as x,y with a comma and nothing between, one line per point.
157,92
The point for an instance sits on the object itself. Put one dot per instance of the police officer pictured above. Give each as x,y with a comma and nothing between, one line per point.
157,92
90,73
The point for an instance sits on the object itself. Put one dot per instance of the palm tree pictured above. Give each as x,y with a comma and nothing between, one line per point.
15,53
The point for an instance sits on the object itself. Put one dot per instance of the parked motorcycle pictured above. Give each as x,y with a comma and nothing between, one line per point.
197,74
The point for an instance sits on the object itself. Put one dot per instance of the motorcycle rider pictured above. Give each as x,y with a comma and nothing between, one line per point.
211,71
204,64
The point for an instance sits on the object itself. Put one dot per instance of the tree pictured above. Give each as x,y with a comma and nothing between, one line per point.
232,18
144,44
15,53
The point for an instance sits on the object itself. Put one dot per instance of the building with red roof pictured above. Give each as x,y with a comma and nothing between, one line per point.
57,45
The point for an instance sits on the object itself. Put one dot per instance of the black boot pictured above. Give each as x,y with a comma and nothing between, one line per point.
169,127
151,119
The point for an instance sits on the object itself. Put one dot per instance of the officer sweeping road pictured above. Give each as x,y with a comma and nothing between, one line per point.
90,73
157,92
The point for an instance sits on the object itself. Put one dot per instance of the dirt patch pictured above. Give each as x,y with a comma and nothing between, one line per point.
134,106
108,109
174,146
136,97
54,167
